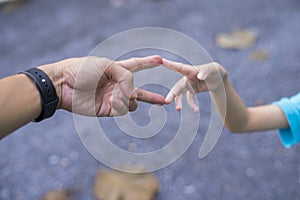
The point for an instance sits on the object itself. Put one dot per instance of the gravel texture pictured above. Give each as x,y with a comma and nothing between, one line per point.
49,155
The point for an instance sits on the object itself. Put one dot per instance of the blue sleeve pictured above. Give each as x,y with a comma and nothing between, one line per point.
291,110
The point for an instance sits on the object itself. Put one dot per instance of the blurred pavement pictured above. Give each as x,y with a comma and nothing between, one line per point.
49,155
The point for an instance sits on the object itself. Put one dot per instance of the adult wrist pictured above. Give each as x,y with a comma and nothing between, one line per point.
54,72
48,96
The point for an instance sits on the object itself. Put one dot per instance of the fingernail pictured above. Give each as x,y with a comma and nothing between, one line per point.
165,61
168,99
156,59
200,76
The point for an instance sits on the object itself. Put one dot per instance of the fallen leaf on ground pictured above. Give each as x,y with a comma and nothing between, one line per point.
5,1
236,39
13,5
132,147
259,55
113,185
63,194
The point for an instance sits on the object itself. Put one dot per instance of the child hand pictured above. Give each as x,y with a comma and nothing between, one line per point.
196,79
100,86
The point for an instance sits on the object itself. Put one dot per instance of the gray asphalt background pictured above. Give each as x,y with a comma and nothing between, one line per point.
49,155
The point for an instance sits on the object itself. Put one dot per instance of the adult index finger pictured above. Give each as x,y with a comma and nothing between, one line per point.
137,64
149,97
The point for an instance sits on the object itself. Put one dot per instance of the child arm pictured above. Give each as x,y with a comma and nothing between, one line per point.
213,77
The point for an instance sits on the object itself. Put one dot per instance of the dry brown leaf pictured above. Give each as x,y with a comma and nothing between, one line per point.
5,1
113,185
11,6
237,39
64,194
259,55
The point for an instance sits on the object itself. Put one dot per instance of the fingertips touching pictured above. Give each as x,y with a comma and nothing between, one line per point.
170,97
158,99
166,62
155,59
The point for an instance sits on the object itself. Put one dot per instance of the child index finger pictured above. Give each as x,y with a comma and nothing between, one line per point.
184,69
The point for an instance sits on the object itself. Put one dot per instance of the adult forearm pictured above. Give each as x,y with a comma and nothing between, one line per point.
19,101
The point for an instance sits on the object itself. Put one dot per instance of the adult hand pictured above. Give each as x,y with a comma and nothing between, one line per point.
196,79
96,86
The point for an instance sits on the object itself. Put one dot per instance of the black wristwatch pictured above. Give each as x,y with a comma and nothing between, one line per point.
49,98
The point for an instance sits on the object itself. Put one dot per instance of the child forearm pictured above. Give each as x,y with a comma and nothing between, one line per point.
239,118
235,116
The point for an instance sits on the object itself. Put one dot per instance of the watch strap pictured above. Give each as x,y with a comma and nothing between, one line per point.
49,98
